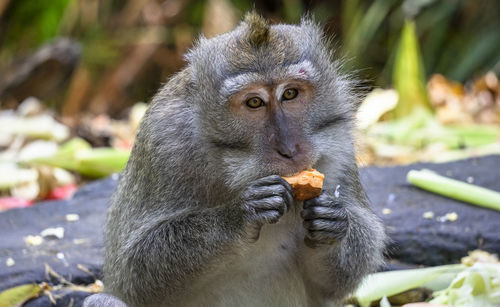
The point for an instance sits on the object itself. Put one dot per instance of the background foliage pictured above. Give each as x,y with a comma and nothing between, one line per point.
131,47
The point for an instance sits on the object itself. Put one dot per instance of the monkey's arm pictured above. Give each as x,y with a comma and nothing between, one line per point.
169,251
344,242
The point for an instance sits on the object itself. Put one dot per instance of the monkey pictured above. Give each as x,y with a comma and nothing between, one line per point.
202,216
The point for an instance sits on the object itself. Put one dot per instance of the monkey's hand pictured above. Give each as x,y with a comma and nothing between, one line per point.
265,201
325,220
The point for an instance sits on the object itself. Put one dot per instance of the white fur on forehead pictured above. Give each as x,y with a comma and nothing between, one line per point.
232,85
303,71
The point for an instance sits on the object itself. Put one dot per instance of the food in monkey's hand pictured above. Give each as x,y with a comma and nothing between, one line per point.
306,184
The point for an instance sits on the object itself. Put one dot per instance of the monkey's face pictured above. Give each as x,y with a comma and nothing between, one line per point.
270,118
273,106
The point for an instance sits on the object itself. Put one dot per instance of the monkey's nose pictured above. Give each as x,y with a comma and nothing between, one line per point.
288,151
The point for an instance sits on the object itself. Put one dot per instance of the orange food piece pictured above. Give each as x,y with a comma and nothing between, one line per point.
306,184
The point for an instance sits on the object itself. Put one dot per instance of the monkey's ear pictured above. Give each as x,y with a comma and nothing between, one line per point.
258,29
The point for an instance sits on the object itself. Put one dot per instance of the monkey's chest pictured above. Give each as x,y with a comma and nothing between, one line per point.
277,244
264,274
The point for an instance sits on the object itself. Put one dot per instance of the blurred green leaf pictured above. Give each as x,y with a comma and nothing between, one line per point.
195,12
476,53
352,12
31,23
361,31
292,10
434,26
15,297
242,5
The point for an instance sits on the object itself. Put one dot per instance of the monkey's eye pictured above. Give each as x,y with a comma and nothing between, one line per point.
255,102
290,94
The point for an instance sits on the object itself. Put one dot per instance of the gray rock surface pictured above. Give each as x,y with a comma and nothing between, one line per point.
80,248
415,240
418,240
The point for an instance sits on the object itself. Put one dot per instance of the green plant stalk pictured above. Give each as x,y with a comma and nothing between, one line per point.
74,145
408,74
452,188
65,156
378,285
92,163
101,162
77,155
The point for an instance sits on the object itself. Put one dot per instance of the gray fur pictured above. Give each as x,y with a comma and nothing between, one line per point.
103,299
200,219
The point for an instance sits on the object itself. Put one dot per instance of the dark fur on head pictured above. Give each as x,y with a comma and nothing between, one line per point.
258,29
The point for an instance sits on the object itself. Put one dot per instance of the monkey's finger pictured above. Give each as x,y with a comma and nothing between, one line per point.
273,179
321,212
270,203
274,182
267,191
274,190
270,180
322,200
326,225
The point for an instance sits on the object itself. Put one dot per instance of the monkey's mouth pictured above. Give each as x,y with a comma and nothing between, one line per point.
287,173
289,167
